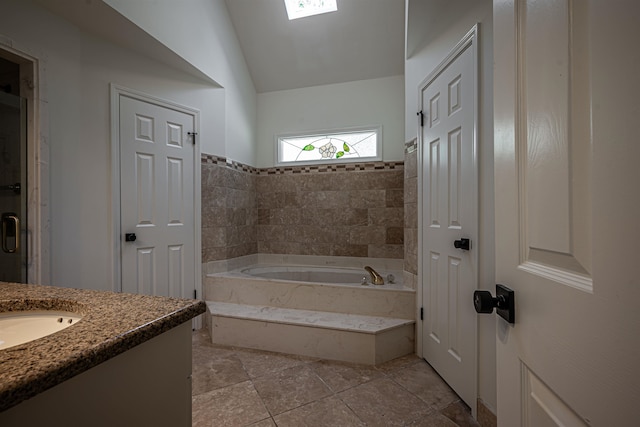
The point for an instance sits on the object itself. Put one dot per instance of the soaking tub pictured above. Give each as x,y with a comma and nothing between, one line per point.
301,282
312,306
323,275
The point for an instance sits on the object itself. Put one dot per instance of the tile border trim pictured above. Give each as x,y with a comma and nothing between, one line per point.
411,146
211,159
295,170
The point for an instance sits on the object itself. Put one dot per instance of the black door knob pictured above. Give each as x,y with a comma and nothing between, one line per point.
504,302
130,237
484,302
464,244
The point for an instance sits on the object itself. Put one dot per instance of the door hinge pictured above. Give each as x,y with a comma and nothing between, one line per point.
195,294
421,313
193,136
421,118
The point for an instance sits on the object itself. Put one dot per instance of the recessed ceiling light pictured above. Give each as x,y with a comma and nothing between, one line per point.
301,8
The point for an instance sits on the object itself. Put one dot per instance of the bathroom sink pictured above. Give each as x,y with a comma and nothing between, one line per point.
19,327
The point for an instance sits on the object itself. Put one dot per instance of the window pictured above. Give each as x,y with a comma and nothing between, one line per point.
336,146
301,8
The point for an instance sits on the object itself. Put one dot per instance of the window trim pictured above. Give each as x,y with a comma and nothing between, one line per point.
301,134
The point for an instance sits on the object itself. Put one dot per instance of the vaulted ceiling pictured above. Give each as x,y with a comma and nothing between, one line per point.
364,39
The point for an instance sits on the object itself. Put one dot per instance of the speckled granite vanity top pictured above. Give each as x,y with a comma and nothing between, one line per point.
111,324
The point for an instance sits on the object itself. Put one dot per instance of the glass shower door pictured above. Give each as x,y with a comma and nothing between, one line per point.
13,185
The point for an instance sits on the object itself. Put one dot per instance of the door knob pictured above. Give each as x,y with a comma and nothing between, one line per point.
130,237
464,244
504,302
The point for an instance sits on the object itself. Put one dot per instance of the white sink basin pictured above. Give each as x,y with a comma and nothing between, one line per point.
19,327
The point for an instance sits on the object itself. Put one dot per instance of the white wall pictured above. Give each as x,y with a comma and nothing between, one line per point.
359,103
201,32
75,72
425,56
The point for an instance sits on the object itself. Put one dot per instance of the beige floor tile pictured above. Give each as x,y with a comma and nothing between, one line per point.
486,417
288,389
460,414
201,336
421,380
236,405
326,412
435,419
382,402
259,363
203,351
264,423
241,387
399,363
342,376
215,368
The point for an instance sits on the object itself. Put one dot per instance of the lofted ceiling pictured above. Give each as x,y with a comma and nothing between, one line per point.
363,40
98,18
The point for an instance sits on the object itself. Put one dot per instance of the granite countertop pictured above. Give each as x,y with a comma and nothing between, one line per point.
112,323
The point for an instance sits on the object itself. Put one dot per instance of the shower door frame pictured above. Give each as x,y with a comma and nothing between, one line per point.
37,164
13,204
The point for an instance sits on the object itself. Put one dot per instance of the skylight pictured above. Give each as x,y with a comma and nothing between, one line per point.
302,8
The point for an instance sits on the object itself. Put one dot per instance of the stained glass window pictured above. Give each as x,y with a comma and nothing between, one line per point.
330,147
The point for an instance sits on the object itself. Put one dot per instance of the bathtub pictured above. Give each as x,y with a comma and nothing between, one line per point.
332,284
311,306
343,276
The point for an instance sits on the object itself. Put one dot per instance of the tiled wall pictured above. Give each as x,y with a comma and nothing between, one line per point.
229,213
411,208
338,210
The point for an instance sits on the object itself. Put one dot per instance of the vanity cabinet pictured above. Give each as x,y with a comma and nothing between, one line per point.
147,385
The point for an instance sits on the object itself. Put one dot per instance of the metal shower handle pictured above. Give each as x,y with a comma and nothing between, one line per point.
10,232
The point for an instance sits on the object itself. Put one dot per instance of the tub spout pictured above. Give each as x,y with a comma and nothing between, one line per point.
376,279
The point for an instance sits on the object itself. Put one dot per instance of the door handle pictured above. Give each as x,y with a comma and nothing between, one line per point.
464,244
504,303
10,230
130,237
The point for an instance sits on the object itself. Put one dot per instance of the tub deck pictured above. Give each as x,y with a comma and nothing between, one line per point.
352,323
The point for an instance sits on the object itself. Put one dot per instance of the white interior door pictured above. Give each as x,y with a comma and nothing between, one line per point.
449,213
157,199
567,211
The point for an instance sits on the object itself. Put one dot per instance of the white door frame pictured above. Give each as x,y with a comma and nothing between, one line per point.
116,92
469,41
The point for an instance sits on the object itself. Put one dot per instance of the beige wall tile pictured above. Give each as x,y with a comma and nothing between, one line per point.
305,210
390,217
395,236
394,198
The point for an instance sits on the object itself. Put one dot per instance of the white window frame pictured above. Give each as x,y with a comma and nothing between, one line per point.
378,157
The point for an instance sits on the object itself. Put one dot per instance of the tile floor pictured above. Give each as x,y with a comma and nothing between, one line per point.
241,387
